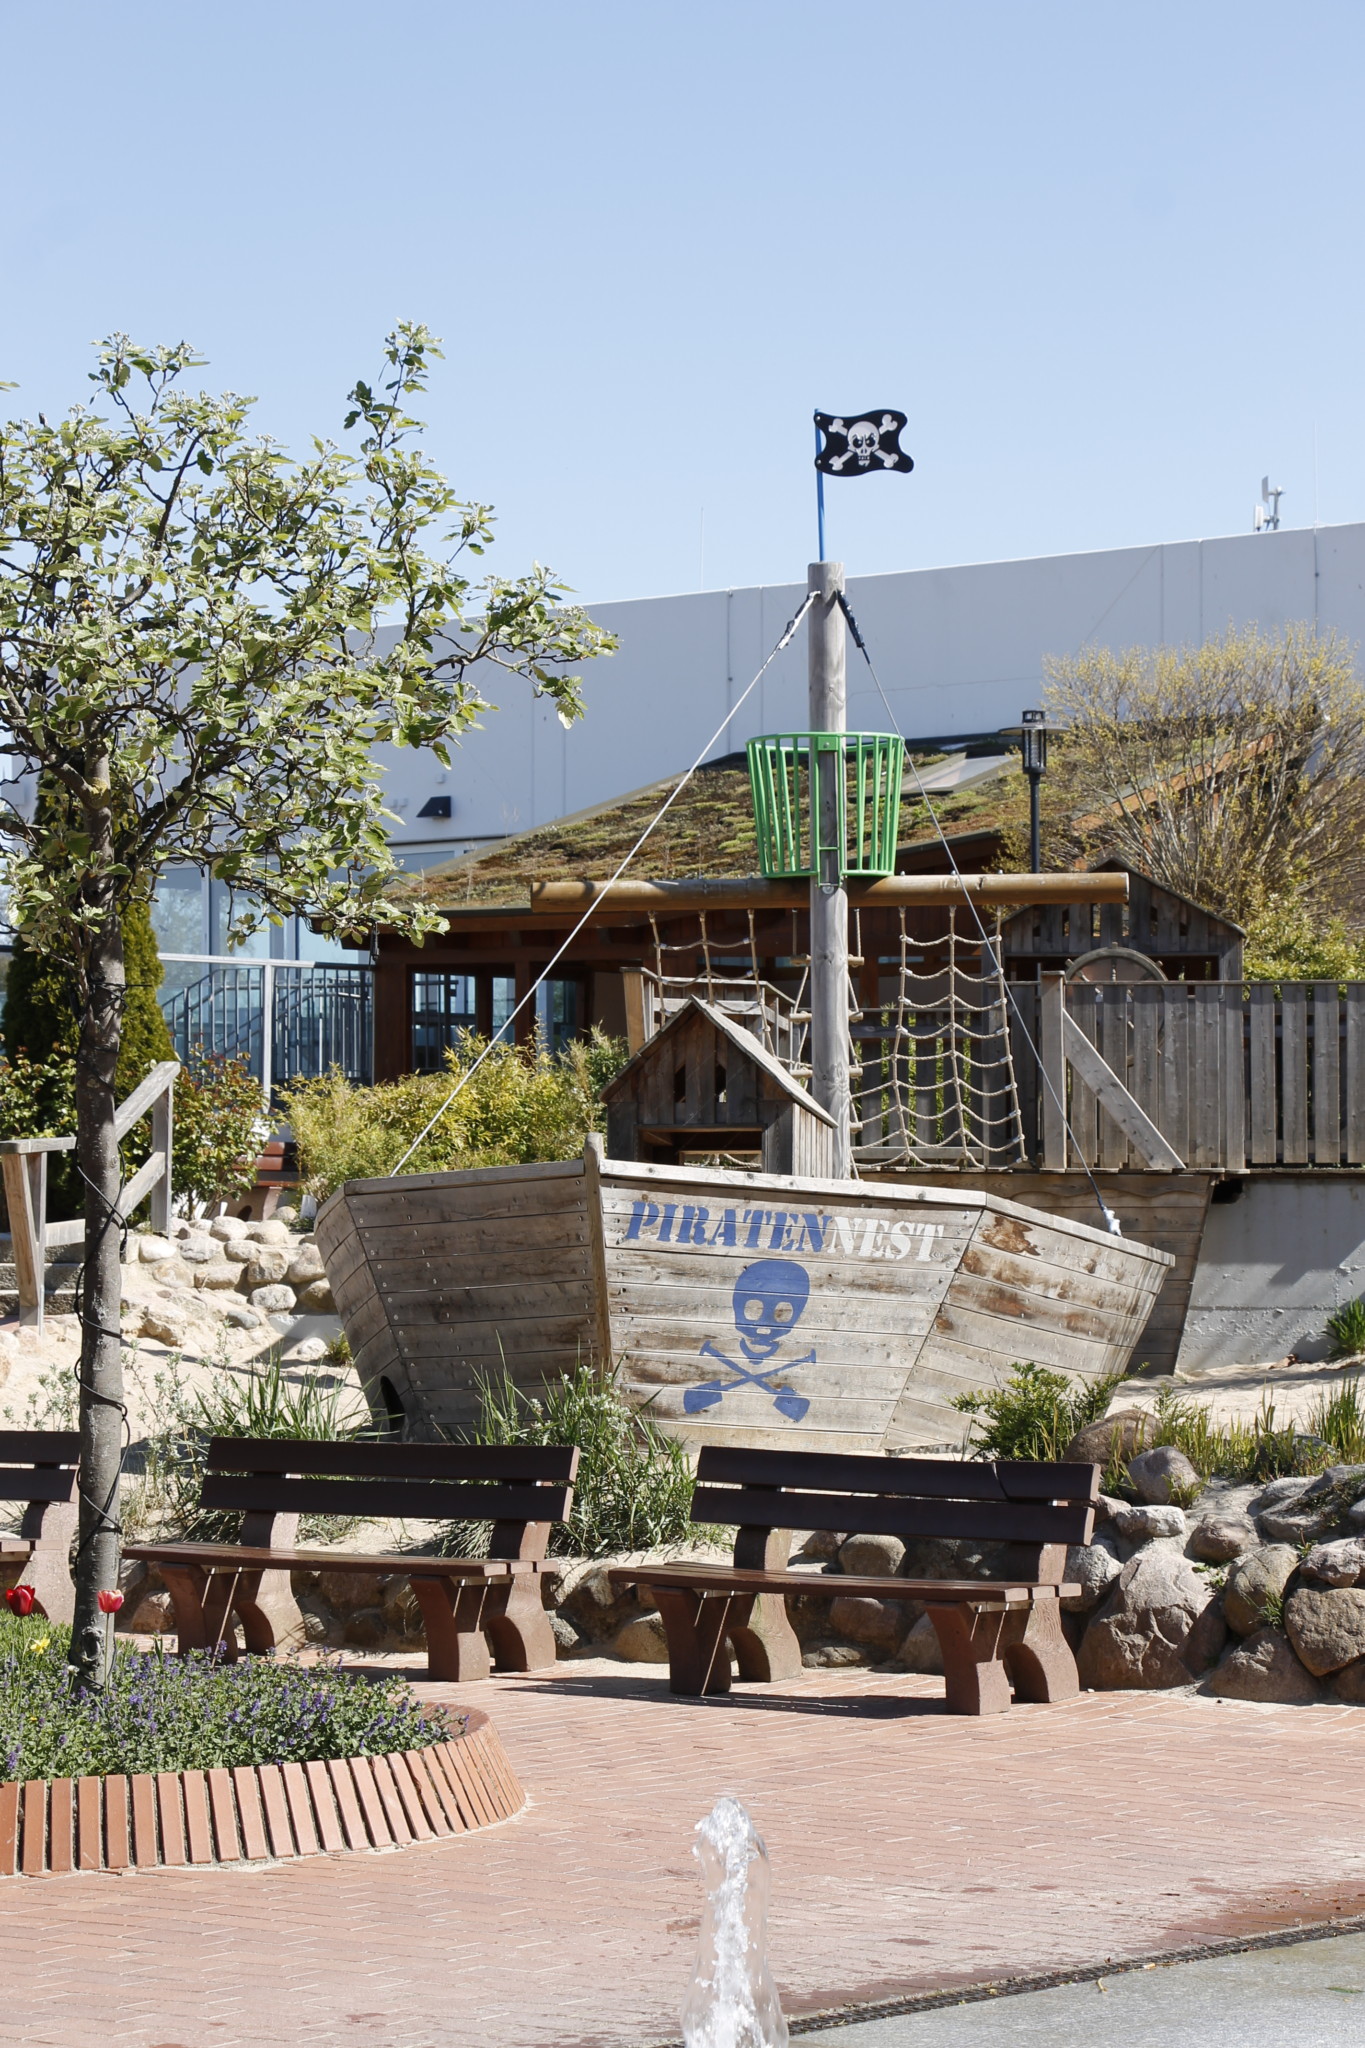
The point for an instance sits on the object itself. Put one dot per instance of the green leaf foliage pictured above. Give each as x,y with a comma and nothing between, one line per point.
518,1106
219,1128
195,1713
1035,1414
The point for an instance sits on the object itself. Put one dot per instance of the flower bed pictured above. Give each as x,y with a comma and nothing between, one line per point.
195,1761
258,1813
163,1713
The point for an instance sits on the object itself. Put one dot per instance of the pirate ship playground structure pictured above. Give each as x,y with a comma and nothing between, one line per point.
756,1306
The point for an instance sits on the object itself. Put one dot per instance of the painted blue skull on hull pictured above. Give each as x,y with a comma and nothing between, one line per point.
769,1299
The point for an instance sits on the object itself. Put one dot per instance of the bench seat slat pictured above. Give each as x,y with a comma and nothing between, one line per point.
524,1464
832,1586
373,1499
921,1478
254,1557
998,1521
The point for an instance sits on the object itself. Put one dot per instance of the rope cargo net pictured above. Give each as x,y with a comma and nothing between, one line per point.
932,1063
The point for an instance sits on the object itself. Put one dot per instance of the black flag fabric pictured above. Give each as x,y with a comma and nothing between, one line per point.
861,443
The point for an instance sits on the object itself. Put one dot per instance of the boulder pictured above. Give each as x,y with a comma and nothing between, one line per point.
1160,1626
225,1228
1107,1506
567,1638
1259,1576
348,1592
273,1301
880,1624
242,1317
151,1251
1287,1525
1333,1480
1157,1474
366,1630
286,1213
239,1251
305,1267
1218,1539
273,1233
1326,1627
822,1543
1143,1524
871,1557
1348,1685
1336,1564
217,1275
1264,1668
599,1610
317,1299
309,1352
1094,1567
831,1656
920,1651
267,1269
641,1641
1122,1434
1277,1493
197,1251
152,1616
164,1325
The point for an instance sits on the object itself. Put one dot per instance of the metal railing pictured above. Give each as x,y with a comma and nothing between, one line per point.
288,1019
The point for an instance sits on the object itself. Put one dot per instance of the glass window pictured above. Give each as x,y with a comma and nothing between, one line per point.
504,1002
557,1004
442,1007
225,904
178,911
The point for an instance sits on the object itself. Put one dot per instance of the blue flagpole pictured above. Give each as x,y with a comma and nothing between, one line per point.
820,500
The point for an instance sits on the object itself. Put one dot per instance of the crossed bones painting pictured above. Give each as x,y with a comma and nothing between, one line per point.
769,1298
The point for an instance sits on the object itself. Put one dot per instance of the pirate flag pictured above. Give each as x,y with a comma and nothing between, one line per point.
860,444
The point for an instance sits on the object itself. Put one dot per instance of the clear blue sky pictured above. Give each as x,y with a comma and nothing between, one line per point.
1107,258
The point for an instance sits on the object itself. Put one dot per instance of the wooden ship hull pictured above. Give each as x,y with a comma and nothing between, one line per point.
734,1308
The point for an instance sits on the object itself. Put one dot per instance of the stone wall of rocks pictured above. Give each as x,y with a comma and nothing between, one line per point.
239,1272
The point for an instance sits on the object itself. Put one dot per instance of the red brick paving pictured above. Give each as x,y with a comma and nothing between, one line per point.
910,1852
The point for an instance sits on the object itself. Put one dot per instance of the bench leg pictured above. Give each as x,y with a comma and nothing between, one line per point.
1040,1660
453,1616
765,1643
187,1585
976,1681
517,1625
696,1627
271,1617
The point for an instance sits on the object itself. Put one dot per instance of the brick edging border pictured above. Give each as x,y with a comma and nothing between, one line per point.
258,1813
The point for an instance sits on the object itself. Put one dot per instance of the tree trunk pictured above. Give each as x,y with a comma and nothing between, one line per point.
101,1381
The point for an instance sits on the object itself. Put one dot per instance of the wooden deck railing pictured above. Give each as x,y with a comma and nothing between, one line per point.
23,1163
1230,1074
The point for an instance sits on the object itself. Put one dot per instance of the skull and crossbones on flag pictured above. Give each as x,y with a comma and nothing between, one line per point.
861,444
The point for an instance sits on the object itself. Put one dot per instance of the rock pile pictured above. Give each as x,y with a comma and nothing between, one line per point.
225,1271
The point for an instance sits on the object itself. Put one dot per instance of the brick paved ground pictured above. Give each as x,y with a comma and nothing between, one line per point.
909,1851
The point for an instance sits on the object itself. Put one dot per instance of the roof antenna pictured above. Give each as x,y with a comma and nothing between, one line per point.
1266,517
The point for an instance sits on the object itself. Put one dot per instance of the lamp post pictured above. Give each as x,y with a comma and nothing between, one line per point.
1033,752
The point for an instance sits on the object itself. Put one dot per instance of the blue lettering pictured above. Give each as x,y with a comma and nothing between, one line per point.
726,1229
666,1227
643,1216
692,1228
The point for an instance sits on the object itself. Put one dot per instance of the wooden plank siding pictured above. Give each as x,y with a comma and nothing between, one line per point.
1233,1074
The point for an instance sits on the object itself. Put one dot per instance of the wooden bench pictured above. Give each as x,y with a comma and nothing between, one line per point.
467,1604
992,1631
38,1467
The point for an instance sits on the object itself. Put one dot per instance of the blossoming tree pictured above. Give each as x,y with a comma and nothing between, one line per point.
202,641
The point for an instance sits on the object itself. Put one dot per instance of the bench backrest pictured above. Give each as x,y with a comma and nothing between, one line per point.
1037,1509
38,1464
520,1490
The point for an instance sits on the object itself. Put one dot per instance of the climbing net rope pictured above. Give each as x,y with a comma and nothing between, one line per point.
933,1066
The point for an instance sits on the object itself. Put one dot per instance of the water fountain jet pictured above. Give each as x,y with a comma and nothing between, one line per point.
732,2002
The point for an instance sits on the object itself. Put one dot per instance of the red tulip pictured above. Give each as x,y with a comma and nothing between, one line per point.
110,1603
20,1599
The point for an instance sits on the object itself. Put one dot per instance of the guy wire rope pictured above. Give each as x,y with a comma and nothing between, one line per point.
470,1071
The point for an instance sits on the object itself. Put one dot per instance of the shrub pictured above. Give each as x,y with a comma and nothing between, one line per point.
220,1126
1346,1330
1035,1414
634,1484
519,1106
195,1713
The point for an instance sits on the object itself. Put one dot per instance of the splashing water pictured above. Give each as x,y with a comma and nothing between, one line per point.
732,2002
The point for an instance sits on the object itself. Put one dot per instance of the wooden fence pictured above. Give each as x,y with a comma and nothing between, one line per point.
23,1163
1231,1074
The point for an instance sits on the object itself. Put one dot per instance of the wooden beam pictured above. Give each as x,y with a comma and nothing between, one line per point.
1112,1096
755,892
